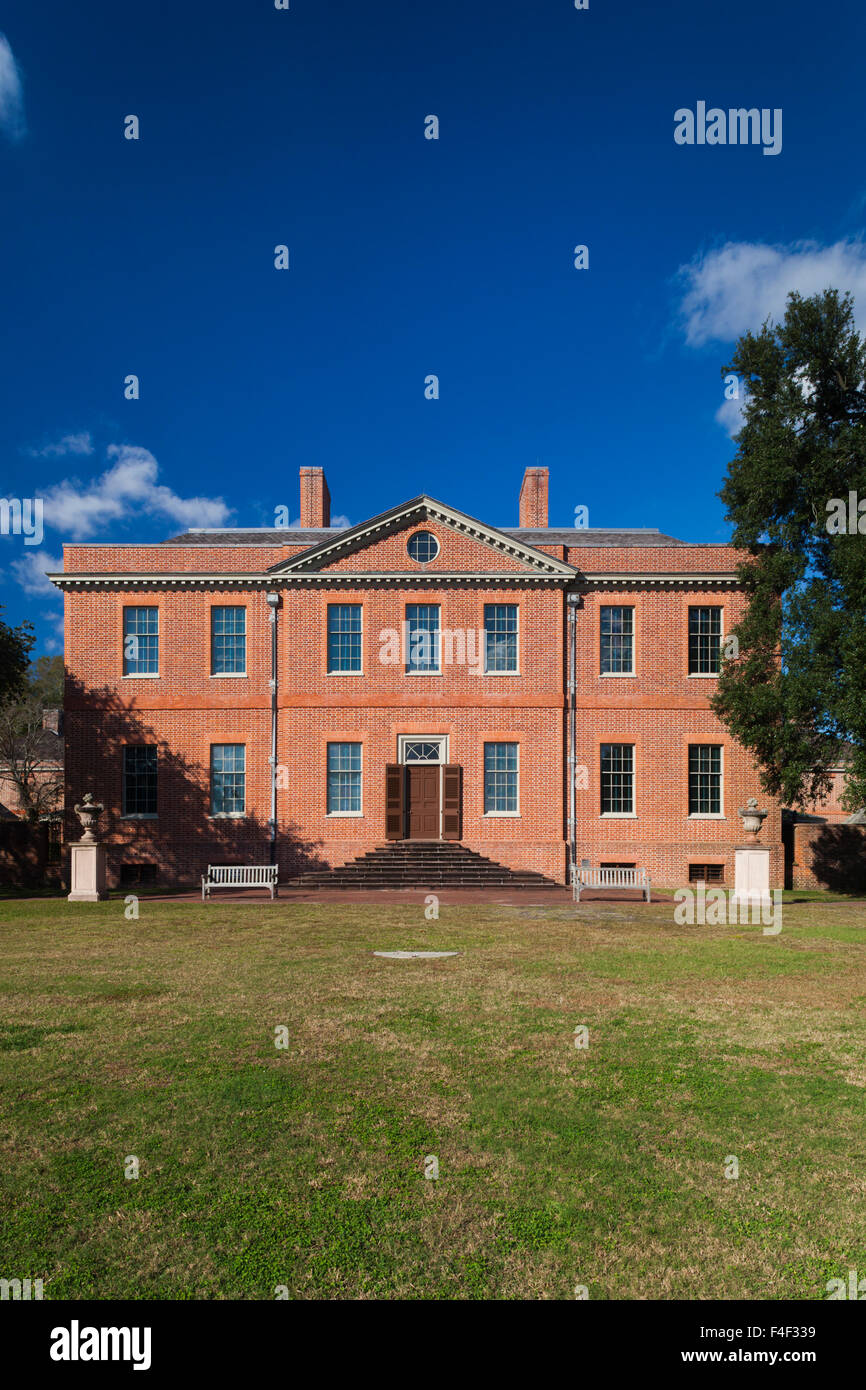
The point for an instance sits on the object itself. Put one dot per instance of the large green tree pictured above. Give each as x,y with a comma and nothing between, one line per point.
797,690
15,647
47,676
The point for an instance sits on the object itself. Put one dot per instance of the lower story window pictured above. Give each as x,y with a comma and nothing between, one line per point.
139,779
705,779
228,776
344,779
500,779
617,779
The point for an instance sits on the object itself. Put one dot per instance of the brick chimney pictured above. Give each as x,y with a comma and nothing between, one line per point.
52,719
533,498
315,499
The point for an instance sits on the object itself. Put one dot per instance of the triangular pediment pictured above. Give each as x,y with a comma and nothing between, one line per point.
466,546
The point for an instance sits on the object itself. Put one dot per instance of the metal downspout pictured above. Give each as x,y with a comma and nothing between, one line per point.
273,605
573,604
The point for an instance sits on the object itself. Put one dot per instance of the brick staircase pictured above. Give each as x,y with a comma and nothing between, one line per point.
422,864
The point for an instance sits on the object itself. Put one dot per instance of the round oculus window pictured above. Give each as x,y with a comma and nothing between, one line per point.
423,547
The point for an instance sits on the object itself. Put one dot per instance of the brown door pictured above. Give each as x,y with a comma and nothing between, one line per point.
395,810
423,803
452,801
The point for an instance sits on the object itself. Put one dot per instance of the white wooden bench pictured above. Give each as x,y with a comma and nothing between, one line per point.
611,878
239,876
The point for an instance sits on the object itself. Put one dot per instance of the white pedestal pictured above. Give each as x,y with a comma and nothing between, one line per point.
88,874
752,875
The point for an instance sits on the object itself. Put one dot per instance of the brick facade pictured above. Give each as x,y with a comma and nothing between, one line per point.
185,709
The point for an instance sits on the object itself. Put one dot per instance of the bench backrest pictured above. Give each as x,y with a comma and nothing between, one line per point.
612,878
242,873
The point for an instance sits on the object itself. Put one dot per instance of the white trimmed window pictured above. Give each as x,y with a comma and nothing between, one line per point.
705,779
617,779
344,779
344,637
500,638
501,791
422,625
617,641
228,641
228,779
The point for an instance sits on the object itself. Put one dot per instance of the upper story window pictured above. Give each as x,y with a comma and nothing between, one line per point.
228,641
228,779
139,779
617,641
423,653
705,641
423,546
500,637
140,641
705,779
344,637
617,779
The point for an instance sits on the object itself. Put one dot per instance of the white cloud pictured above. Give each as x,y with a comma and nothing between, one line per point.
11,94
30,573
125,490
69,444
730,416
734,289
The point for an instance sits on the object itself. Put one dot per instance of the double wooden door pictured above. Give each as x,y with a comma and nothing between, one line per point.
424,801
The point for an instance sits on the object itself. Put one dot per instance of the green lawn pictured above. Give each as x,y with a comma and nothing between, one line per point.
304,1166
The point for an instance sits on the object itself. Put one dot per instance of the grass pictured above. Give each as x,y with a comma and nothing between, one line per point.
303,1166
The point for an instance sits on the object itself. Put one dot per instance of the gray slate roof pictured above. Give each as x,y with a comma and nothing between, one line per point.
298,535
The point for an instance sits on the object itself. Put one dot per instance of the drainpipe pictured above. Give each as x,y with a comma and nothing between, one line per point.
574,602
273,606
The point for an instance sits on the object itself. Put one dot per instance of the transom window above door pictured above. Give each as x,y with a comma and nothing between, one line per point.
422,750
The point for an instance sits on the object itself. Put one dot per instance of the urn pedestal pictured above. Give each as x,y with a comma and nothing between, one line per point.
752,875
88,874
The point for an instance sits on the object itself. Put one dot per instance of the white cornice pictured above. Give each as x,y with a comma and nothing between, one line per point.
690,579
375,578
318,578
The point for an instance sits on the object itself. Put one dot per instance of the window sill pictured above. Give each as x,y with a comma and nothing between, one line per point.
140,676
703,675
227,815
618,815
501,815
706,815
617,675
344,673
140,815
344,815
500,673
228,675
422,673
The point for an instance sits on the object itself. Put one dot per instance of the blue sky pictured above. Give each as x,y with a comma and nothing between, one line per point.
408,256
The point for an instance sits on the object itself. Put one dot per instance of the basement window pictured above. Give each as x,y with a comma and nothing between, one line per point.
706,873
137,873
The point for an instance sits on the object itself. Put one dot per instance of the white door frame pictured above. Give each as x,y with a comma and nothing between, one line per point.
443,741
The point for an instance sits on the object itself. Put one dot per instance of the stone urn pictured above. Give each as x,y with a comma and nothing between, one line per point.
88,812
752,819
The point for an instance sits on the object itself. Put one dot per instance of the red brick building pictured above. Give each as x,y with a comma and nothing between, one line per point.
538,694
